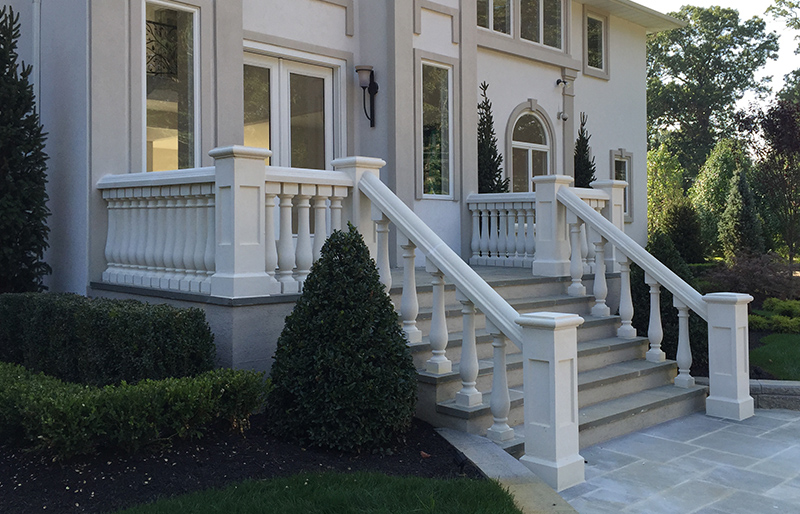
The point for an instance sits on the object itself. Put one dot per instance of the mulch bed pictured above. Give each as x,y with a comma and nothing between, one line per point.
31,482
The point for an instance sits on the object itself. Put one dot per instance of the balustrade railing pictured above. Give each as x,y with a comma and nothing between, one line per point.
503,228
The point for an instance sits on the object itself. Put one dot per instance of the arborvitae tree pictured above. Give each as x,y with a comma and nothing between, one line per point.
23,210
682,225
584,162
343,375
490,169
740,230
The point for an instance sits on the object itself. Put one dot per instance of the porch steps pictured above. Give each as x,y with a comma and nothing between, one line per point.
618,390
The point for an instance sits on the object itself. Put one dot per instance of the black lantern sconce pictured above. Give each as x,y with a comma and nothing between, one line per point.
366,79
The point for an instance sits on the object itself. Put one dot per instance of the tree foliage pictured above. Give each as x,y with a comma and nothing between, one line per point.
695,75
490,161
664,185
23,209
740,228
343,375
709,192
584,162
682,225
789,11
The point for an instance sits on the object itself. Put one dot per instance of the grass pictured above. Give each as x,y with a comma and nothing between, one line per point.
356,493
780,356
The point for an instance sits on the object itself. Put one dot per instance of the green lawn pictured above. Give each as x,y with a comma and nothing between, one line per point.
780,356
334,493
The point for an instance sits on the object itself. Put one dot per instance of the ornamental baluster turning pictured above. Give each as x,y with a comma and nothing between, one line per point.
684,354
626,330
438,363
469,395
382,228
575,262
600,287
286,256
409,305
655,332
304,257
500,398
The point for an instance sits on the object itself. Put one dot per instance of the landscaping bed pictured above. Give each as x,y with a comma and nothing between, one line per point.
32,482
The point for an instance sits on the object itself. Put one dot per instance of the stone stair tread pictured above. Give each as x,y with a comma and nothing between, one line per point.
620,371
453,339
607,344
460,411
627,406
521,305
485,366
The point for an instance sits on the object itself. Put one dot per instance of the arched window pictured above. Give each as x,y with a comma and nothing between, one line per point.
530,150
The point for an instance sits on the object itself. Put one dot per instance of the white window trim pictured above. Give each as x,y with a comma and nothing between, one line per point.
547,148
198,141
621,155
512,19
255,50
424,61
532,107
599,73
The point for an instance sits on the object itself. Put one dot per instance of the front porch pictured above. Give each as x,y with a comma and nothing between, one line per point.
239,239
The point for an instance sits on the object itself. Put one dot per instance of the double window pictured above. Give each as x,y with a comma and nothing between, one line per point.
530,152
288,108
172,119
540,21
437,135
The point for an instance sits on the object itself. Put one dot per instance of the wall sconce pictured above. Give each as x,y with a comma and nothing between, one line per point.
366,79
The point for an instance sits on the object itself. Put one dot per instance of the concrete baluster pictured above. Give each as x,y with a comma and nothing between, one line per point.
469,395
484,234
180,241
600,286
320,223
511,239
286,252
530,234
575,262
494,227
626,330
304,253
190,239
500,401
438,363
382,261
502,233
409,304
339,193
655,332
209,255
520,259
475,243
111,238
684,354
271,191
169,237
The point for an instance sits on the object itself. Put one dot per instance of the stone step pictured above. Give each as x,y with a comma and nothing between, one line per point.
621,379
605,421
603,352
444,386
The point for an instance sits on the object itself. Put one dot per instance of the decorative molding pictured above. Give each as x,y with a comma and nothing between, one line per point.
349,15
429,5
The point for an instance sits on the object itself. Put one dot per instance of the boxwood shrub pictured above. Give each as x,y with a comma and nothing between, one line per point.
102,341
68,419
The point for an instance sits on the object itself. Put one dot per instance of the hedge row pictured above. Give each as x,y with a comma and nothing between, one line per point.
789,308
68,419
101,341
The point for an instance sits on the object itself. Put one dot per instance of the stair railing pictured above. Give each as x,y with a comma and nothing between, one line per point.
725,313
502,229
548,340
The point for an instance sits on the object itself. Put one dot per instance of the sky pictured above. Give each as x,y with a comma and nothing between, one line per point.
787,60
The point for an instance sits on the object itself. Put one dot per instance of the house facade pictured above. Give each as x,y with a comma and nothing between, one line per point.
132,86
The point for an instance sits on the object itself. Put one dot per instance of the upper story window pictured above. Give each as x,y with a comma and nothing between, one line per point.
171,88
595,45
530,147
540,21
495,15
437,169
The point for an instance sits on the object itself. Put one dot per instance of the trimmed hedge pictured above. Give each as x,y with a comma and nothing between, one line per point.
68,419
781,316
101,341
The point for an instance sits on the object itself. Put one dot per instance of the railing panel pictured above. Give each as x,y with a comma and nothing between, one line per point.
502,229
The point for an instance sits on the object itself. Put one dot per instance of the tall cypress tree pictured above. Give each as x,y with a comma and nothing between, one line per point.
584,163
490,170
23,209
740,229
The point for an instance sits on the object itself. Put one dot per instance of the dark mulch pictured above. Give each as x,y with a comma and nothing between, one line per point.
104,483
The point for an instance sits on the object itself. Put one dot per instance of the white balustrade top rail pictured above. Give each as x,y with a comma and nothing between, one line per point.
652,266
476,198
596,198
158,178
486,299
308,176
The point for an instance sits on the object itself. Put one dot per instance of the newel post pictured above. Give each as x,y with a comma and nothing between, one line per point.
550,369
728,356
239,214
614,211
552,239
359,212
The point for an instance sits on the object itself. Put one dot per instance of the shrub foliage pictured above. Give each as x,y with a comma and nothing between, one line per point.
101,341
23,209
343,375
740,230
682,225
66,419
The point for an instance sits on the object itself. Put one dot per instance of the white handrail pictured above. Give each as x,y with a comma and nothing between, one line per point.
481,294
636,253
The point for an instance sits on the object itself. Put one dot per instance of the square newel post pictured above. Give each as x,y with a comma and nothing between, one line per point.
614,211
552,239
360,212
239,212
550,369
728,356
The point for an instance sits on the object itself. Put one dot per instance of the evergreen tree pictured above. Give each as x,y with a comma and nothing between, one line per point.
343,375
490,170
23,210
740,230
584,163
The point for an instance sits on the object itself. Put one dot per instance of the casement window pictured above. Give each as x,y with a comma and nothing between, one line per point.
530,151
171,94
595,45
288,108
621,162
495,15
437,134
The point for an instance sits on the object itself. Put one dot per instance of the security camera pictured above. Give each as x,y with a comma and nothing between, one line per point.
563,116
